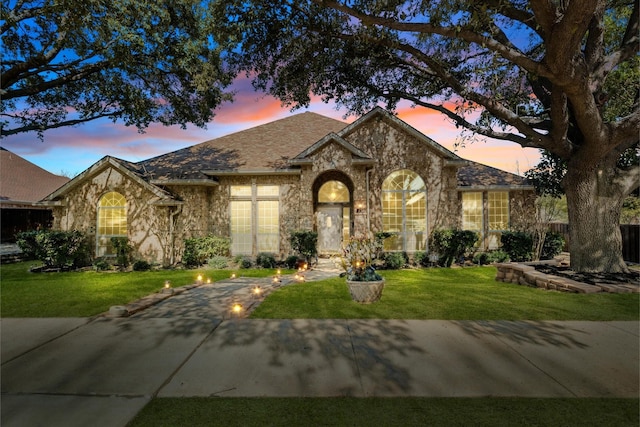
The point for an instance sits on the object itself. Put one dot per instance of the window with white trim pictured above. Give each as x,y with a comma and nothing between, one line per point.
112,222
255,219
498,206
404,211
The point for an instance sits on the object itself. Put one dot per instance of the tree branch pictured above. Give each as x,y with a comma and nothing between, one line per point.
40,128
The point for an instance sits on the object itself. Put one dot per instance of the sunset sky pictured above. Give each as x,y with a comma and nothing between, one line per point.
69,151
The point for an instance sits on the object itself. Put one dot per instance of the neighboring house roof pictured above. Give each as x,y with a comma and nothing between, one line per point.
22,182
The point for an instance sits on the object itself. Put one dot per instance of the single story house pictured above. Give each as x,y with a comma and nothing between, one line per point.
303,172
23,183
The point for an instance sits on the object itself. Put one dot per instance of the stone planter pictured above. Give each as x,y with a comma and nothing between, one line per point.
365,292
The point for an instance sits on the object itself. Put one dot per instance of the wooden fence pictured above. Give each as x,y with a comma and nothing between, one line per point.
630,239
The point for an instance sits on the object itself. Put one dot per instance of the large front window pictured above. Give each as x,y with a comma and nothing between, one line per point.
498,204
472,213
255,219
112,222
404,210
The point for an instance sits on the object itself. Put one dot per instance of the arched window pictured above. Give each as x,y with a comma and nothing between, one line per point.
404,211
333,192
112,222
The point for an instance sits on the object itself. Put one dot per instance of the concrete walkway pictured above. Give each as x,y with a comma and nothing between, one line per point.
102,371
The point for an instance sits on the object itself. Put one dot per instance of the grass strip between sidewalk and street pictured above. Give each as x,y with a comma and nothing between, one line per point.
404,411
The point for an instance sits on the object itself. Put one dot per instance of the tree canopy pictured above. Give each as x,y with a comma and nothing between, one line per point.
538,73
66,62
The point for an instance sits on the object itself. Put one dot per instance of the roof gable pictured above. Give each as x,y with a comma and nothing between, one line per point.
126,168
303,157
392,120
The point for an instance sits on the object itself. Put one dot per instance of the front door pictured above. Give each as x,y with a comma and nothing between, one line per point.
329,220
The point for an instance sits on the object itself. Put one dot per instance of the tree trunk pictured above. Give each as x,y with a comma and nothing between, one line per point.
594,204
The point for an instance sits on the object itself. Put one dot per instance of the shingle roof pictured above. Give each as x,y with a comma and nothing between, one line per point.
478,175
23,182
266,146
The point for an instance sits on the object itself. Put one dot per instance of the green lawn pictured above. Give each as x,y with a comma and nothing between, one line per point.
83,294
454,294
366,412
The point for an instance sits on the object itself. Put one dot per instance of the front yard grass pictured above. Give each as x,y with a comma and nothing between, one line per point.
406,411
85,294
447,294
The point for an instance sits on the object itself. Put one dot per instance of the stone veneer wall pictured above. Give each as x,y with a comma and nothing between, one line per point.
148,225
396,149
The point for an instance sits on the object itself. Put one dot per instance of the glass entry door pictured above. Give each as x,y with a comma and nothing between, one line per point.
329,221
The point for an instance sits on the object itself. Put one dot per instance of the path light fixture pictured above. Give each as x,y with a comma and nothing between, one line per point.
256,291
199,279
278,272
233,275
236,309
166,289
208,280
276,279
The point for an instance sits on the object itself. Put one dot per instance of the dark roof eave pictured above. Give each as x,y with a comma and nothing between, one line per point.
496,187
51,203
204,182
251,172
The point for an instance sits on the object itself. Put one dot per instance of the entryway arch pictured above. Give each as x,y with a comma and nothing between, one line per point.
333,209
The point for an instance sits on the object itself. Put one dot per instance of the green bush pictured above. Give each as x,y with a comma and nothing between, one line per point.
245,262
553,244
518,244
305,243
26,241
291,262
394,260
218,262
123,250
102,265
420,258
56,249
484,258
141,265
266,260
452,244
199,249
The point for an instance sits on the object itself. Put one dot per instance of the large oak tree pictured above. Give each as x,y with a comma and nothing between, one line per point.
532,72
66,62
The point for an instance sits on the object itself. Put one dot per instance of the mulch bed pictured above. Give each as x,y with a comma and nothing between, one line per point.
591,278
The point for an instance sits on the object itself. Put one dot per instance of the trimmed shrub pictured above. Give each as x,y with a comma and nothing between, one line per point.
452,244
245,263
484,258
394,260
199,249
305,243
218,262
56,249
141,265
518,244
291,262
123,250
553,244
421,258
266,260
102,265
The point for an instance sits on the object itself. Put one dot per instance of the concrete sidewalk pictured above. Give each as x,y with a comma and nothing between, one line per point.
101,372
